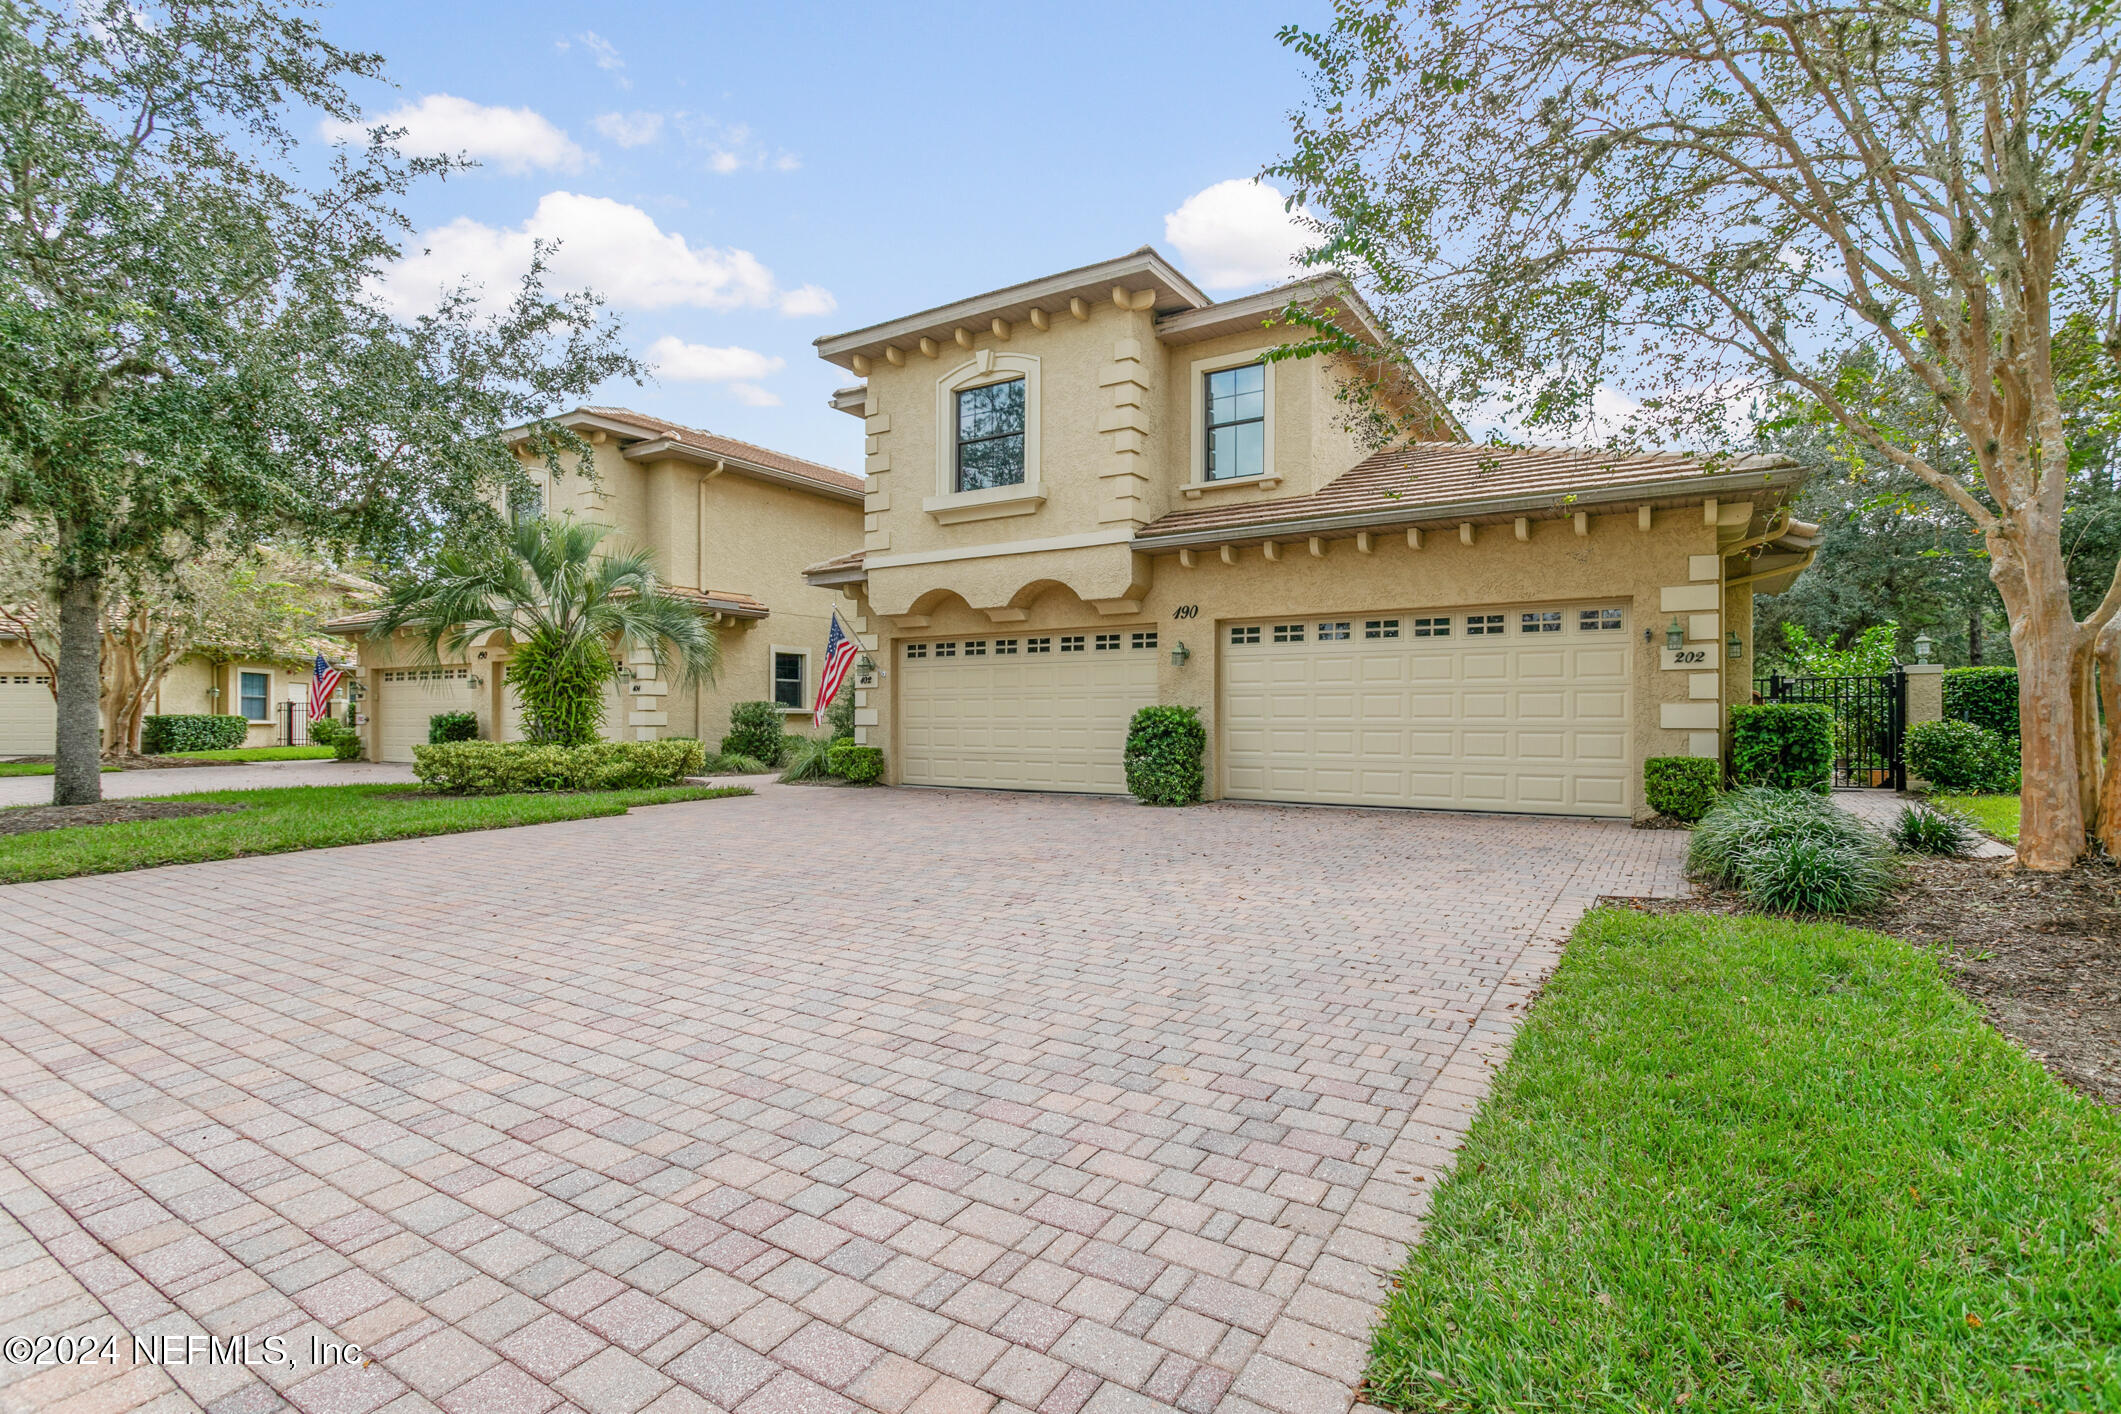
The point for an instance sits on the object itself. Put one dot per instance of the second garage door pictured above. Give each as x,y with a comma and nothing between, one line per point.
409,697
1042,711
1514,709
27,714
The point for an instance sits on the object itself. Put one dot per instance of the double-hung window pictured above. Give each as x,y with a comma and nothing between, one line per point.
990,436
788,679
253,691
1237,423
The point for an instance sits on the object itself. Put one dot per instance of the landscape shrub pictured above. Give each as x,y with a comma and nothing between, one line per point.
452,726
325,731
1960,756
1923,829
346,746
507,767
1683,787
728,763
839,717
1791,851
1783,746
860,765
191,731
755,731
807,758
1987,697
1163,758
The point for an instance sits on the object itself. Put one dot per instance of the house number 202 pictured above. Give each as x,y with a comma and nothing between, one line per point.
1691,655
1186,611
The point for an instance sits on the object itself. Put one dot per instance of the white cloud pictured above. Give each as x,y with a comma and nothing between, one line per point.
752,395
605,52
513,139
703,363
808,302
1236,233
630,129
615,249
732,147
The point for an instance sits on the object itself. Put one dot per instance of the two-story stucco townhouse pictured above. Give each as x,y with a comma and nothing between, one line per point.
731,525
1092,492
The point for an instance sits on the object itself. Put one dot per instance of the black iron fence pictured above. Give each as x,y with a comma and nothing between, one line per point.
1870,721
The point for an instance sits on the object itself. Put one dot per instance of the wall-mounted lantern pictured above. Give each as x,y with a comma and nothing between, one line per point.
1179,654
475,682
1675,636
1733,646
1923,644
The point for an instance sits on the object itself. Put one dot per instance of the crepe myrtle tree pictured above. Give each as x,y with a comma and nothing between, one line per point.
194,347
1691,201
566,605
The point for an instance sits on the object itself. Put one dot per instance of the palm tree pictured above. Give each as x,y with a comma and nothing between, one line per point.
567,606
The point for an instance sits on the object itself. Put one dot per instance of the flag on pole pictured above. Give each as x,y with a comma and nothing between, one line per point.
840,649
324,680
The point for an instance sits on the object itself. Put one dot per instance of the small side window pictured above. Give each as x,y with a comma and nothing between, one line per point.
788,679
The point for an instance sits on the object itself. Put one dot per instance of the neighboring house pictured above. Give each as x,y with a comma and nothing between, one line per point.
731,526
1092,492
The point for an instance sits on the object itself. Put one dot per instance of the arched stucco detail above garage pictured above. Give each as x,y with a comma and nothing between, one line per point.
1097,574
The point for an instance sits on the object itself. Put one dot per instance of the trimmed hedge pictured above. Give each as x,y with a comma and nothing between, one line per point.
1683,787
1963,757
1783,745
754,730
509,767
452,726
1987,697
191,731
1164,750
861,765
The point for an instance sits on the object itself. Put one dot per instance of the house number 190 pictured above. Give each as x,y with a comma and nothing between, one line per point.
1185,611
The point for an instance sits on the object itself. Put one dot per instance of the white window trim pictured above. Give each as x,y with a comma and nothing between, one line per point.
1268,477
774,651
951,506
237,684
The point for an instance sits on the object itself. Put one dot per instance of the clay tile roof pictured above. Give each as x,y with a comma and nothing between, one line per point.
732,447
351,623
852,560
1400,482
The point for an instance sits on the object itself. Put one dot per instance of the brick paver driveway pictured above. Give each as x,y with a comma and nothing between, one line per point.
825,1099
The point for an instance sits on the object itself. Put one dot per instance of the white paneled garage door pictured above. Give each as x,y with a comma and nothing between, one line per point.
28,719
1519,709
409,697
1046,711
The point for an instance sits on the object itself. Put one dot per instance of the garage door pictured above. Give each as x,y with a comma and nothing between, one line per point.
1033,712
28,720
1523,708
410,696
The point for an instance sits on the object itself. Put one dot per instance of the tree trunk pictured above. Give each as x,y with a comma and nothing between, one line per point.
2035,587
2108,656
77,779
1973,637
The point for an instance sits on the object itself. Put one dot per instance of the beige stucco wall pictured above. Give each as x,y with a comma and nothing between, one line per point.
1616,560
184,688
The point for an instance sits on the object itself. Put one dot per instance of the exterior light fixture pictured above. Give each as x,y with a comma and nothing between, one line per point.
1923,644
1179,654
1675,636
865,665
1733,646
475,681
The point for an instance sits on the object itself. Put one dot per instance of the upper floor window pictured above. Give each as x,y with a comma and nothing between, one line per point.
526,503
990,436
1237,423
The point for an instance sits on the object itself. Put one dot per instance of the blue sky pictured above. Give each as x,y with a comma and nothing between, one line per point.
741,179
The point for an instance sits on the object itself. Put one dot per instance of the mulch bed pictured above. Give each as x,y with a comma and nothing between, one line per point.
2039,953
27,818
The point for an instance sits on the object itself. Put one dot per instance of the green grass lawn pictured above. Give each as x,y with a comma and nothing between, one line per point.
31,768
257,753
303,817
1992,814
1745,1164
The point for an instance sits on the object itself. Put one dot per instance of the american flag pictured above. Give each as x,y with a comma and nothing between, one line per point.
324,680
840,649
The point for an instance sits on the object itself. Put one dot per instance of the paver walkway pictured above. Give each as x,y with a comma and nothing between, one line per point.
1882,808
796,1104
182,780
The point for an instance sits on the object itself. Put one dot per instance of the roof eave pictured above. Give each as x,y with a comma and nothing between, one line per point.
830,579
1545,504
669,448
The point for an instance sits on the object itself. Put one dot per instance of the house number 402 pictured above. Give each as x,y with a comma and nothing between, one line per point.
1185,611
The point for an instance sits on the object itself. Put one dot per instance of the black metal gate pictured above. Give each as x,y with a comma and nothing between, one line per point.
1870,721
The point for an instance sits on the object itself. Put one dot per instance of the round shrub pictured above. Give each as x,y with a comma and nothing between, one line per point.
452,726
1164,750
1962,756
1783,745
323,731
755,731
859,765
1987,697
1683,787
346,747
1923,829
191,731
